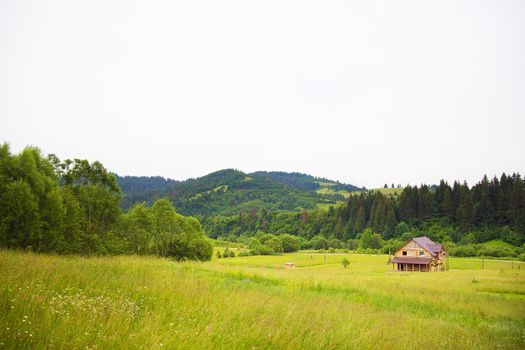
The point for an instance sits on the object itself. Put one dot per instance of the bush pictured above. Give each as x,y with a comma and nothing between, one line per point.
335,243
266,237
265,250
371,240
275,244
463,251
306,245
218,254
290,243
245,253
191,245
391,246
319,242
255,246
353,244
510,236
497,251
345,262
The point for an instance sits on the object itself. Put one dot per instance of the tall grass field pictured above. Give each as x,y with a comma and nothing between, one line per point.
57,302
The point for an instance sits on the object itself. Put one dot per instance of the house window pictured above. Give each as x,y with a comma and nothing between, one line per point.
404,252
421,252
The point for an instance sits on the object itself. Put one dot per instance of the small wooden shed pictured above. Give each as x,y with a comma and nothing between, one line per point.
289,265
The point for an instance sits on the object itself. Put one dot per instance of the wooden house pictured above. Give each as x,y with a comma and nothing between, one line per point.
420,254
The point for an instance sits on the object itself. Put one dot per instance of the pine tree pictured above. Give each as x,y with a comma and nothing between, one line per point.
465,212
360,219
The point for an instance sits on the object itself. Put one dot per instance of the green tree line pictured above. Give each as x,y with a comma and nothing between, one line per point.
491,209
72,206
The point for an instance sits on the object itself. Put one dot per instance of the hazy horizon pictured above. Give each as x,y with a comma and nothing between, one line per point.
359,92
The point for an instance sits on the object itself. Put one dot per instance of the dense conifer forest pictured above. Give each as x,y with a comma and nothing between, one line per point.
462,217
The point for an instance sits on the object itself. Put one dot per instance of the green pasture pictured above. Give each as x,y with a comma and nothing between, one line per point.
57,302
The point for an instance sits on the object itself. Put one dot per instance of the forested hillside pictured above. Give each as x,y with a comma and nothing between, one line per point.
139,184
306,182
457,215
229,191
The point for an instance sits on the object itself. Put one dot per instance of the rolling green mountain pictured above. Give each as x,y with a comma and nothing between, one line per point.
231,191
306,182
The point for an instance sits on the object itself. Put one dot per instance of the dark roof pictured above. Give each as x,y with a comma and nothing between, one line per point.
428,245
411,260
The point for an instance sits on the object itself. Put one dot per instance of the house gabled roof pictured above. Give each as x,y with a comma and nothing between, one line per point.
428,245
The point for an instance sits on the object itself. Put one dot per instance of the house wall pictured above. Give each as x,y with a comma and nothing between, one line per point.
412,249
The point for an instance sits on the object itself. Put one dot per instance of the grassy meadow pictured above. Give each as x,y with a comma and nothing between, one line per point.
73,302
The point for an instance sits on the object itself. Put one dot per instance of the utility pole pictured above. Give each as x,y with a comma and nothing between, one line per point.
483,261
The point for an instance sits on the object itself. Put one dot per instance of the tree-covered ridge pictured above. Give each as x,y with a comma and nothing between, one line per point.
490,210
230,191
137,189
139,184
305,182
72,206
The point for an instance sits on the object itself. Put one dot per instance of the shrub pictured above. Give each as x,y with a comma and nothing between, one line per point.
266,237
497,251
335,243
245,253
371,240
290,243
510,236
319,242
345,262
306,245
353,244
275,244
255,246
463,250
265,250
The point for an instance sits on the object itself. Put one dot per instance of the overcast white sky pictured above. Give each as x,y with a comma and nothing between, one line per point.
365,92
